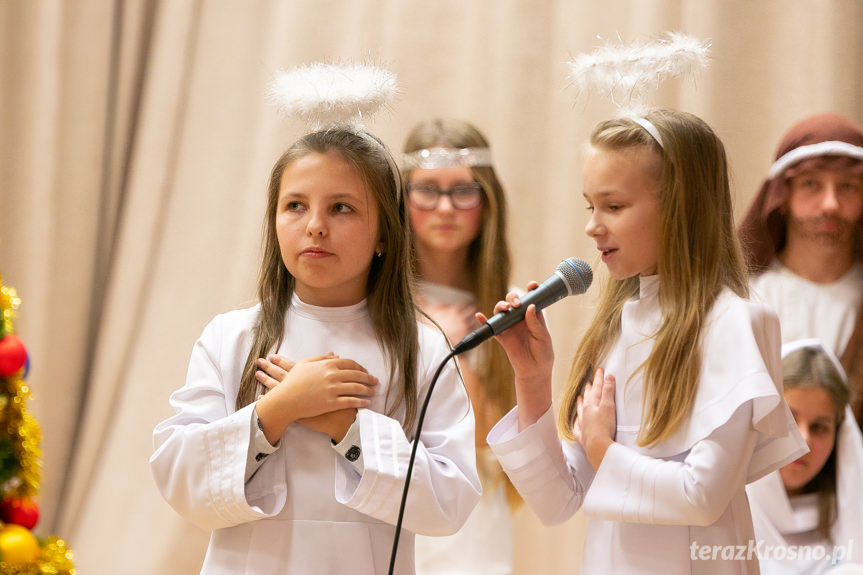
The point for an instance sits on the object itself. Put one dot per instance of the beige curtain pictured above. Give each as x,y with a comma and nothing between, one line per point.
135,145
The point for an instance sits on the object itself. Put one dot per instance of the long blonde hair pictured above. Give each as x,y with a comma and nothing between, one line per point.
389,298
699,256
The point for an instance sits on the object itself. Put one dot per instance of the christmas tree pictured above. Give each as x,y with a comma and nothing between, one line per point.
21,552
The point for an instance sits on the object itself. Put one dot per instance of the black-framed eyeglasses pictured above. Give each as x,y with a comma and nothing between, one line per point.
462,196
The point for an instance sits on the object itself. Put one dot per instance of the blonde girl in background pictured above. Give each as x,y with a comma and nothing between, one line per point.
458,217
291,436
807,515
674,398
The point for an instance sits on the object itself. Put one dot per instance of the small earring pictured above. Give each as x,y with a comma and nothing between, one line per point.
379,254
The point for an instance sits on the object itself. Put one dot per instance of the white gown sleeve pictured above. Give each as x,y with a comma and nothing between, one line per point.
634,487
551,475
200,453
259,447
350,447
444,485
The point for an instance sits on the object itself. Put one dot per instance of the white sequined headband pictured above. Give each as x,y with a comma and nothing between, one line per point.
434,158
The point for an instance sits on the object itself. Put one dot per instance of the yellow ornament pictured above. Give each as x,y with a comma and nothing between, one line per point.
17,545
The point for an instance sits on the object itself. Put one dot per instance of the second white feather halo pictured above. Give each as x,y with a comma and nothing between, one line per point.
324,95
626,72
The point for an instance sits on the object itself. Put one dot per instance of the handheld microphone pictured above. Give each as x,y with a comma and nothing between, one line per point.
571,277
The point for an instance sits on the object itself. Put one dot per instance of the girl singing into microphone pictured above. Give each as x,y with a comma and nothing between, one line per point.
674,401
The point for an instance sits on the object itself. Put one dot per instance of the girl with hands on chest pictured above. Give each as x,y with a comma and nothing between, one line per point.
296,422
322,393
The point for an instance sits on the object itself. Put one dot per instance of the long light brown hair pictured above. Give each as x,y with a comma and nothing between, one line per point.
488,255
699,257
389,298
811,368
488,261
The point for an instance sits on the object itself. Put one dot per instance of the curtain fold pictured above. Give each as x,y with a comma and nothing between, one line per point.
54,71
136,143
157,102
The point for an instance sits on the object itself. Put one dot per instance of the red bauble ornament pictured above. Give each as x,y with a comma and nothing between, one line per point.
23,512
13,355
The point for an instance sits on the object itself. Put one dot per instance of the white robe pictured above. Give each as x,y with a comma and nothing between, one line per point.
306,509
484,545
786,525
670,508
810,310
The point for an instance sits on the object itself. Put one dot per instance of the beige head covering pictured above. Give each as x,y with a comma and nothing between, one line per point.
822,141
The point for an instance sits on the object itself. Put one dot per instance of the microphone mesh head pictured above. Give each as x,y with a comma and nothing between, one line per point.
577,275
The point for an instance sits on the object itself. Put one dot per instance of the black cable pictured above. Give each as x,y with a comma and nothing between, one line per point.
422,416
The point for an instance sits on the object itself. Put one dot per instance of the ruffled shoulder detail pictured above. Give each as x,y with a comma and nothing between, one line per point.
741,363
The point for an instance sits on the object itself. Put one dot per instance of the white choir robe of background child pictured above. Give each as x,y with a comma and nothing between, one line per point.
461,264
781,523
307,509
831,308
660,509
485,542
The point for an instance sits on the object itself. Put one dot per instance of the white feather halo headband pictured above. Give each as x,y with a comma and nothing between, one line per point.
324,95
626,72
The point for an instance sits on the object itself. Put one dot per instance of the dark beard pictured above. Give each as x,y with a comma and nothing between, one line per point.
811,230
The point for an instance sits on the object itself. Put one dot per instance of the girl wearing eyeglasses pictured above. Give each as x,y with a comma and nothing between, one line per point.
458,219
